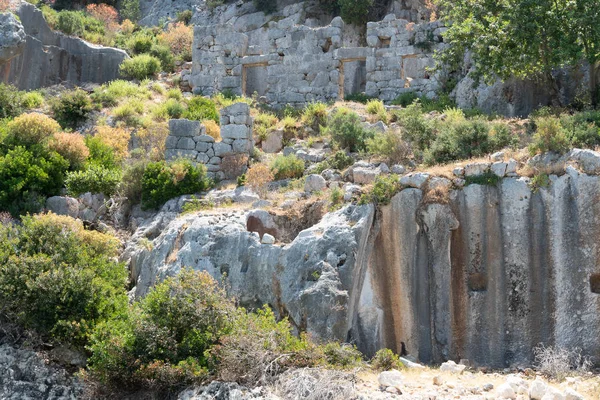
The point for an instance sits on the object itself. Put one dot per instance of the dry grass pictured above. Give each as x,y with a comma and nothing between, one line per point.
558,363
316,384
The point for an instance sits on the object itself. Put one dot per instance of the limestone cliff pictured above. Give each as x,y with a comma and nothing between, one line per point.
50,58
487,275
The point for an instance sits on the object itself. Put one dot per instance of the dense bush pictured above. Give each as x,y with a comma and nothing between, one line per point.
58,279
27,177
164,54
201,108
385,187
131,183
582,129
287,167
71,23
549,136
266,6
140,67
377,109
108,95
10,101
31,129
72,108
162,181
130,9
385,360
347,130
258,177
355,11
71,146
100,153
32,100
315,116
342,355
405,99
115,138
140,42
259,348
166,337
417,129
178,38
358,98
390,146
95,179
340,160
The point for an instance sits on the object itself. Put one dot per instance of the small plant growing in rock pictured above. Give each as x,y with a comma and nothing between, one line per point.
384,188
549,136
376,108
258,177
539,181
315,116
336,198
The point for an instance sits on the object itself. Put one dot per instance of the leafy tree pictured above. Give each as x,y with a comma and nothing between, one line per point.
522,38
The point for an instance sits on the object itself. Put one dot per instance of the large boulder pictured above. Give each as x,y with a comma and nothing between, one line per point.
311,279
12,37
63,205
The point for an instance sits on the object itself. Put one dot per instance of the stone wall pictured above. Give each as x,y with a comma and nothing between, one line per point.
49,58
288,61
225,159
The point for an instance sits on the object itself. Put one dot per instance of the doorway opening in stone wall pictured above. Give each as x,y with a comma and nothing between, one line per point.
353,77
254,79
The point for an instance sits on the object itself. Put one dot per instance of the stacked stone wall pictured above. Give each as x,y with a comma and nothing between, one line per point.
298,64
224,159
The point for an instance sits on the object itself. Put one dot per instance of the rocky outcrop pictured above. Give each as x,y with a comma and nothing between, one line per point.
25,375
12,37
486,274
312,279
50,58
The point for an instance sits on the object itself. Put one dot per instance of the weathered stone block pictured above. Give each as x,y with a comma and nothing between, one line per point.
240,146
203,146
221,149
186,143
171,142
184,127
234,131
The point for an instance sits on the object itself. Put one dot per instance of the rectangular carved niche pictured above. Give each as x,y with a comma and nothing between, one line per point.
353,77
254,79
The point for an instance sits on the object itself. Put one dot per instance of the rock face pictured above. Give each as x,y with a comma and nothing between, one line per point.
12,37
486,277
313,279
50,57
24,375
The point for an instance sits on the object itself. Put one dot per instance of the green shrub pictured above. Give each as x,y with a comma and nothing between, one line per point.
174,108
95,179
384,188
358,98
581,129
539,181
439,104
347,131
549,136
101,154
131,183
385,360
58,279
287,167
72,108
130,9
11,101
315,116
71,22
185,16
336,198
27,177
163,181
389,146
489,179
108,95
200,108
266,6
167,337
405,99
259,347
342,355
462,140
175,93
32,100
140,67
355,11
340,160
141,42
416,128
30,129
164,54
